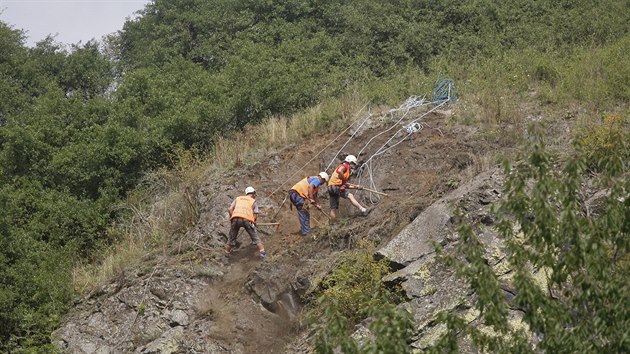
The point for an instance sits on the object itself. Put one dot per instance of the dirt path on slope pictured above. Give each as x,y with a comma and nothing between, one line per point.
414,172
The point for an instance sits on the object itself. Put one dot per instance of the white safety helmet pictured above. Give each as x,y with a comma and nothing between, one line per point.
324,175
250,190
351,159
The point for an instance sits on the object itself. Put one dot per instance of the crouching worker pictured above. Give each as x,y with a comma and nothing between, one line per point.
243,213
304,192
338,187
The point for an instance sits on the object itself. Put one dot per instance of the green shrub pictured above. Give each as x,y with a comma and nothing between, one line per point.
605,141
545,70
355,291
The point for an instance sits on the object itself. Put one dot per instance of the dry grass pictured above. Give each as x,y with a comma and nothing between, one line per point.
276,131
88,278
273,132
164,205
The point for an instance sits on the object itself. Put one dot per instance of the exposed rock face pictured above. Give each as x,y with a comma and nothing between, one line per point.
417,239
191,298
595,204
429,285
147,315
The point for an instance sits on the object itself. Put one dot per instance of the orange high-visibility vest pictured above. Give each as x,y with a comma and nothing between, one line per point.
335,180
244,208
302,187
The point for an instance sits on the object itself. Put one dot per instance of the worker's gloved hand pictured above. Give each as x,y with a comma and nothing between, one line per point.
318,206
342,188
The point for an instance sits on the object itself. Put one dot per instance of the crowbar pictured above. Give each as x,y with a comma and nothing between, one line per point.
276,224
369,190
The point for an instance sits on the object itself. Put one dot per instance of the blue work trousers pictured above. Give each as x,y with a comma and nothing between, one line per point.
303,215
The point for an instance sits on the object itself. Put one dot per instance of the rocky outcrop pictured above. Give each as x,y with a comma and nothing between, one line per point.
417,239
190,297
429,285
150,313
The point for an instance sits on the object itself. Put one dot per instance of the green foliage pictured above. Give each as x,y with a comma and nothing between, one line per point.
584,256
352,292
279,56
36,286
355,284
391,329
599,141
87,72
616,69
601,74
13,54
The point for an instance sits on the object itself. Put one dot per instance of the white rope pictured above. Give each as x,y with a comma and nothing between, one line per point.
350,138
313,158
380,151
408,105
411,128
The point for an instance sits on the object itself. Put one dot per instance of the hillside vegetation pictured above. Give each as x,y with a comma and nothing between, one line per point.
81,128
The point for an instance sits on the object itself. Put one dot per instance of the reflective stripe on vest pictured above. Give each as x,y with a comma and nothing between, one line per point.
244,208
335,180
302,187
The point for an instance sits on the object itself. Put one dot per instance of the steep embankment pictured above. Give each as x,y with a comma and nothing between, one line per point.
191,297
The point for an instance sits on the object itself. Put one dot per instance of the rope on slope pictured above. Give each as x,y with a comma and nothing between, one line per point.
411,128
441,95
319,153
411,103
381,151
350,138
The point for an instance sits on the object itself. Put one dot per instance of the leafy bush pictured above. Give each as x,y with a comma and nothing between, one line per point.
584,302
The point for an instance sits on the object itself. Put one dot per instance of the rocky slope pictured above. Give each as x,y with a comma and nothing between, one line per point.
191,298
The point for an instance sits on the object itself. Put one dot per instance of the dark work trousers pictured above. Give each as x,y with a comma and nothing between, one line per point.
303,215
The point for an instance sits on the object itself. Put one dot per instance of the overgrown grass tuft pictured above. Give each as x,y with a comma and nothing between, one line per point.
599,140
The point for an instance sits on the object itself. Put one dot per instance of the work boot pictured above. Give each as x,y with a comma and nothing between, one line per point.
262,254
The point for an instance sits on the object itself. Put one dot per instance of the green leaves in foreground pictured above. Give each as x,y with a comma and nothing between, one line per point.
353,292
579,299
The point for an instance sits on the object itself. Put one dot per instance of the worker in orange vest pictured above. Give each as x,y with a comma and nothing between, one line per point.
243,213
338,187
304,192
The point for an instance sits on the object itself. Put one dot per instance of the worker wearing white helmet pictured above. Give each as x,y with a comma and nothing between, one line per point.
243,214
303,193
338,187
